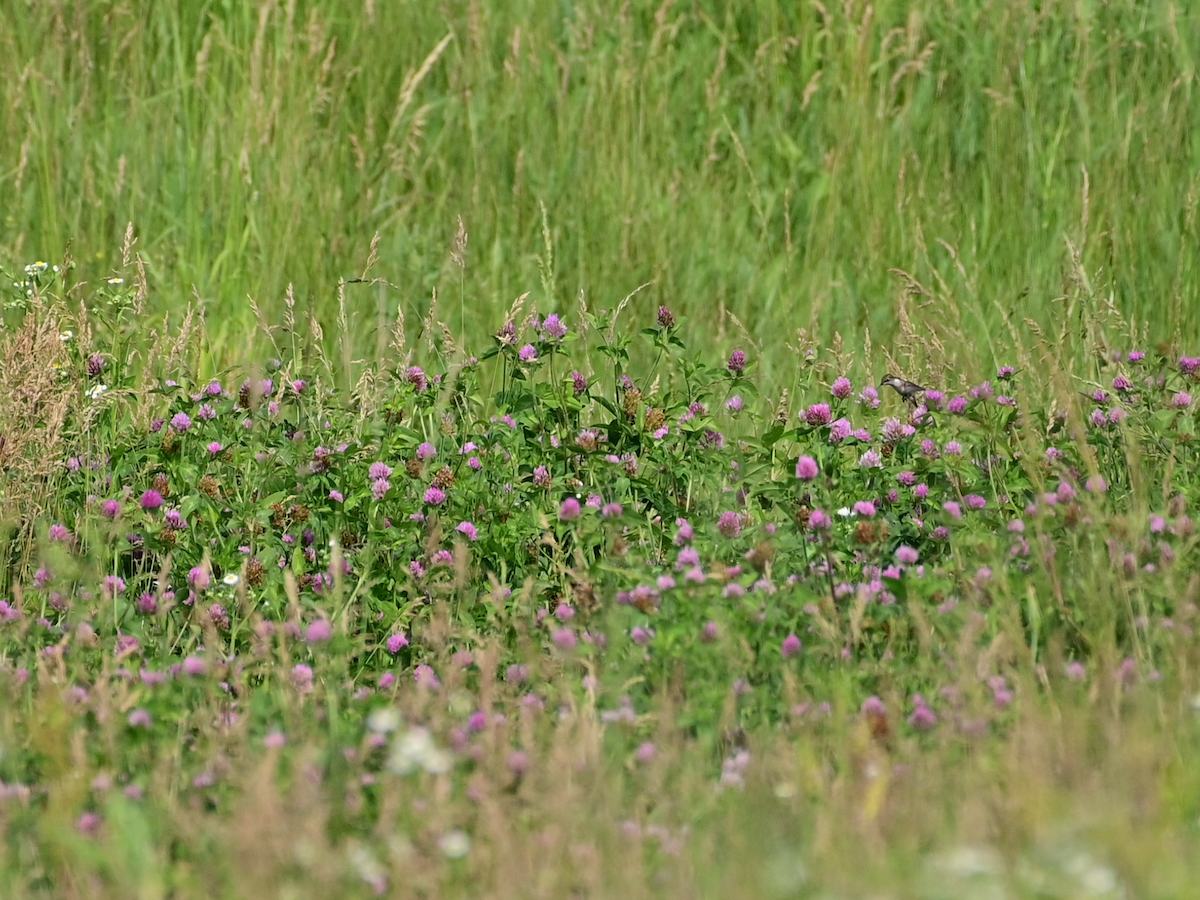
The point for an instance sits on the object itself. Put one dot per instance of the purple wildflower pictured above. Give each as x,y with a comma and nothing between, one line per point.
840,430
302,678
554,328
199,578
893,430
396,642
818,414
806,468
564,639
417,378
791,646
425,677
685,533
729,524
870,460
318,631
923,718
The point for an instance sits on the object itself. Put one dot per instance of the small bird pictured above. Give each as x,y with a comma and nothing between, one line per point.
906,389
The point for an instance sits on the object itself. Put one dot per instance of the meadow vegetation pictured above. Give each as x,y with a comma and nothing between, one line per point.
330,568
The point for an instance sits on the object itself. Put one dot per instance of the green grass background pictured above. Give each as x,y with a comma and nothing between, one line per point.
772,159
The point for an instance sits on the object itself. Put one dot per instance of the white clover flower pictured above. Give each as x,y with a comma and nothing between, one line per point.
384,720
455,844
415,750
96,390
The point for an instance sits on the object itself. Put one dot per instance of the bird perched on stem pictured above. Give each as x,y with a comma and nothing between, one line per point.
906,389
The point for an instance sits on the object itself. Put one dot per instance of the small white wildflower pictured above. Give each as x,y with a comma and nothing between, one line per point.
438,762
415,750
231,579
96,390
66,336
384,720
116,281
36,268
845,511
369,869
455,844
